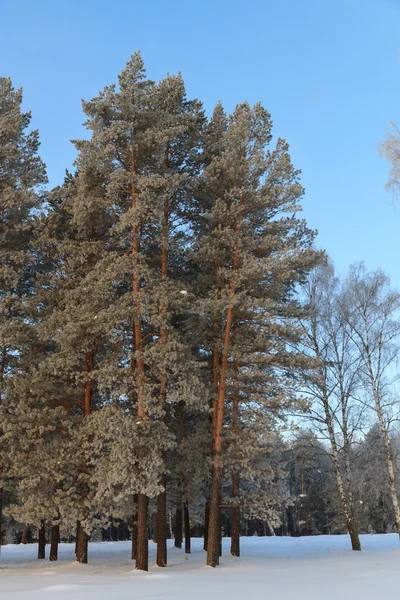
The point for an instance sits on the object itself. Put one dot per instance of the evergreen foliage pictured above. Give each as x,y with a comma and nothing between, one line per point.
163,314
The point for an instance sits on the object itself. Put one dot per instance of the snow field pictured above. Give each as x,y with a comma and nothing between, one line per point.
321,567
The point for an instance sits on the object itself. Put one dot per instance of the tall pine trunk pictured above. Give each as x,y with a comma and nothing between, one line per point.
24,536
1,513
235,536
2,371
206,524
214,530
154,527
186,520
55,537
142,553
134,530
82,538
42,541
82,543
178,527
161,559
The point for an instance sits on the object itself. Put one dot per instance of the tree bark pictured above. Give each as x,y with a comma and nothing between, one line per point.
178,528
348,513
187,527
55,537
235,535
142,553
82,543
214,527
206,524
347,510
2,371
388,458
42,541
214,530
142,559
154,528
1,513
24,536
78,525
134,531
82,539
161,559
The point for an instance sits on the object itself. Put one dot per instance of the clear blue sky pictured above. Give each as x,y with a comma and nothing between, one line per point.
328,72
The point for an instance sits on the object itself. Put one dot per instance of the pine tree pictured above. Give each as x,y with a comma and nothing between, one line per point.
144,147
254,255
22,173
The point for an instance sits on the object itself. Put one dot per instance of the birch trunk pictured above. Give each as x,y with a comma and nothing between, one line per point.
348,514
388,455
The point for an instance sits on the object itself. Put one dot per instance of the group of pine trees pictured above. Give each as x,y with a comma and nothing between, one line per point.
157,323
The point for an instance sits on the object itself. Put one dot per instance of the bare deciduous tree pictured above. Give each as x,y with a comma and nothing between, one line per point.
370,308
332,383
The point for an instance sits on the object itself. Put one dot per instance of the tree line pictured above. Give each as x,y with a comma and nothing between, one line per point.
163,312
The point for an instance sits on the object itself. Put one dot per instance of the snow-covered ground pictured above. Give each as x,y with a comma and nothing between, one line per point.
309,568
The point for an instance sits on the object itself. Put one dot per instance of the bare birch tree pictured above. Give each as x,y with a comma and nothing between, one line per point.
370,308
332,382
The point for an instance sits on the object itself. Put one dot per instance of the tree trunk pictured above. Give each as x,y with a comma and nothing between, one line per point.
154,528
214,527
206,524
142,558
220,529
178,528
187,527
134,531
235,537
142,553
235,534
77,536
1,513
388,452
55,537
82,543
2,371
214,530
161,559
42,541
82,538
348,514
24,536
347,510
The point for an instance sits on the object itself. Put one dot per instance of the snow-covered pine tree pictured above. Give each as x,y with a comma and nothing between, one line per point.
22,173
253,253
176,136
144,145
